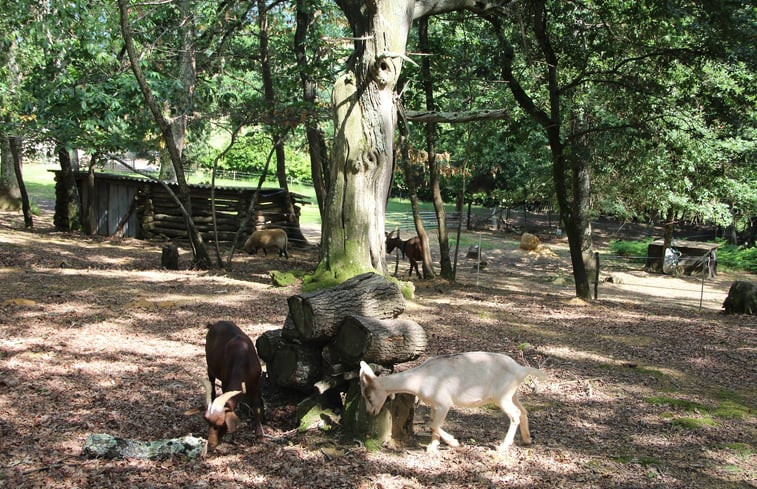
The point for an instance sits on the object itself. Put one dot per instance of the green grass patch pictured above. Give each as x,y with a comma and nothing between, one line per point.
694,423
742,450
728,408
732,257
731,410
373,445
40,184
636,251
651,371
679,404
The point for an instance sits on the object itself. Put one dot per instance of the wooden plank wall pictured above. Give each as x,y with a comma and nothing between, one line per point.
156,215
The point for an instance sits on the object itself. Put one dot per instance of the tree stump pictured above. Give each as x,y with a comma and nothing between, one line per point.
317,314
169,258
295,366
742,298
382,341
393,425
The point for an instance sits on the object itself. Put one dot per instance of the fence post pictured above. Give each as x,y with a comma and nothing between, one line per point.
705,269
596,275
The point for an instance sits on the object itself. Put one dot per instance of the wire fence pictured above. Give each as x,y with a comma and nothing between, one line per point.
608,267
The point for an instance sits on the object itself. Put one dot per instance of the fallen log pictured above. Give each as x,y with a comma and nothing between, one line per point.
289,331
268,344
101,445
295,366
317,314
382,341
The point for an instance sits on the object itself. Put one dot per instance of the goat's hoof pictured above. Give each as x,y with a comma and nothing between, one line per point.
432,447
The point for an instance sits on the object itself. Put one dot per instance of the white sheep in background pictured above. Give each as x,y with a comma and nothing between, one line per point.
466,380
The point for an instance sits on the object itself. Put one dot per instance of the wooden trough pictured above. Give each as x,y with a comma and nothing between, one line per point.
693,259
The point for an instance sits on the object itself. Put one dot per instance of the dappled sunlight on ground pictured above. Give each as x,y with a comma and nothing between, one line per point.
100,340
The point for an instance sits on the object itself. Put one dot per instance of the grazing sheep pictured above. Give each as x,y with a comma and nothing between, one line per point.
267,238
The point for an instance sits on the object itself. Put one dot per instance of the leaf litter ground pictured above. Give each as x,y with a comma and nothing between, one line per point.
646,389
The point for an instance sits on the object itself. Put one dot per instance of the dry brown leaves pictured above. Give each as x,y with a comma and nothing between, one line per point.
93,338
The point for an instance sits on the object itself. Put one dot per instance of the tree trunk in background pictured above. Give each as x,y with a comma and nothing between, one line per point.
10,194
17,156
428,268
270,95
441,213
199,250
71,192
570,171
667,239
316,142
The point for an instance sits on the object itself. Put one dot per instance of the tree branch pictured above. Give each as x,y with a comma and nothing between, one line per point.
457,117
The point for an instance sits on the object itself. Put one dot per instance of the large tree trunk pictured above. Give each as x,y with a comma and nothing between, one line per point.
363,151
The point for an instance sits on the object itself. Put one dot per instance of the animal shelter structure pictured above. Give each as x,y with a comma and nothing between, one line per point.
142,208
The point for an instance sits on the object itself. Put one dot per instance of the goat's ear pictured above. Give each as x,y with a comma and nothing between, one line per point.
232,421
366,374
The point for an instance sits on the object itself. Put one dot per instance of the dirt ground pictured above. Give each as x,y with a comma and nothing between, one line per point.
646,389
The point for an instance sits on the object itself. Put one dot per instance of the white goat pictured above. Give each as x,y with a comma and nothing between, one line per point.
466,380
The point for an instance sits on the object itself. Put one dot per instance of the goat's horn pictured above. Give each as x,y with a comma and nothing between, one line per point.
208,391
221,401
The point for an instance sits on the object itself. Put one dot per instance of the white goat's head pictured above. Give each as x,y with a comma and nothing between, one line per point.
373,393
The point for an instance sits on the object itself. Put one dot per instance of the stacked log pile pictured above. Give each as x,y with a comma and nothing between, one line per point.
160,216
153,213
327,333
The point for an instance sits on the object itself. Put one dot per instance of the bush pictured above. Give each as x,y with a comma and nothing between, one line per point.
636,250
737,258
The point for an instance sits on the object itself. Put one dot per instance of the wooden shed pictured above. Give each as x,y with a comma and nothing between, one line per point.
145,210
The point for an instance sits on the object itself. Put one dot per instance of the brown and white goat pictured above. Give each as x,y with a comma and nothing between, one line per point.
412,248
465,379
231,358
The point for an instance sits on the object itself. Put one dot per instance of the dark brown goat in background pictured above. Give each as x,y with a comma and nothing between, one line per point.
411,248
232,359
